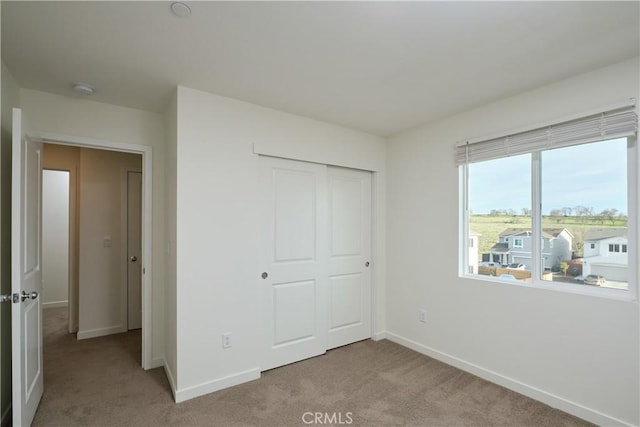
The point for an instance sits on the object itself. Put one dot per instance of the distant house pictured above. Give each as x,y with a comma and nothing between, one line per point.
474,241
515,246
606,252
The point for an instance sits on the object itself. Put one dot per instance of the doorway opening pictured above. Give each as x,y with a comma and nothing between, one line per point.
105,249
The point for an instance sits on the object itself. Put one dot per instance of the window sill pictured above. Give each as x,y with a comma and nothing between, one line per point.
587,290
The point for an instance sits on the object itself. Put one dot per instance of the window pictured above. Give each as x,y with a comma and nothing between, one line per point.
590,202
615,247
498,193
563,185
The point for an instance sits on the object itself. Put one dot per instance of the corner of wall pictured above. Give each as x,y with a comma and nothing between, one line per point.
170,377
170,250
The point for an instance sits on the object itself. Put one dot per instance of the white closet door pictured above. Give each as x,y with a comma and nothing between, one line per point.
349,208
294,283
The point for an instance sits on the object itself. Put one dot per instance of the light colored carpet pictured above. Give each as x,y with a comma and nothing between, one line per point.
99,382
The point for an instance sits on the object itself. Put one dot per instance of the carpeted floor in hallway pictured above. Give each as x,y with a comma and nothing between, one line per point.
99,382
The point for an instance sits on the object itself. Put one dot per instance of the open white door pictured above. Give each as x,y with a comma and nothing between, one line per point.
26,273
294,282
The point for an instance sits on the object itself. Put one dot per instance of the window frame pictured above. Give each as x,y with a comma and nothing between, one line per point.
633,177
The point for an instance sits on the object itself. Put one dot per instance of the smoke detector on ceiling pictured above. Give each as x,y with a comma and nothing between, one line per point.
83,88
180,9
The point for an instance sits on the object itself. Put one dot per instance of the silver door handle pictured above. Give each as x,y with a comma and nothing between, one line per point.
28,295
134,258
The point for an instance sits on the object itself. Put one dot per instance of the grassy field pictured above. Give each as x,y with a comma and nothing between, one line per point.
490,227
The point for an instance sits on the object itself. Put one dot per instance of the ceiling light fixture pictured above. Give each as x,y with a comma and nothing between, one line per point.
180,9
83,88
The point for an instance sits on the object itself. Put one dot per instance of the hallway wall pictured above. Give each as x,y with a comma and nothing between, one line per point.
102,241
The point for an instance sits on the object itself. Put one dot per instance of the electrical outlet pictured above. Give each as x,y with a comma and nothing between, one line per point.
226,340
423,315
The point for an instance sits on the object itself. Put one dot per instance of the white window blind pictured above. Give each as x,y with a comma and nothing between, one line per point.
617,123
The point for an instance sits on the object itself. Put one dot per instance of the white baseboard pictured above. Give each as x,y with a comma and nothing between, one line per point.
169,374
158,362
377,336
55,304
6,416
100,332
550,399
215,385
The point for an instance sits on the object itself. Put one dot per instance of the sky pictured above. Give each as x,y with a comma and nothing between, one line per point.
591,175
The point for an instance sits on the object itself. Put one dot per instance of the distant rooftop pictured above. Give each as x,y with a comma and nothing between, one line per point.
548,233
500,248
604,233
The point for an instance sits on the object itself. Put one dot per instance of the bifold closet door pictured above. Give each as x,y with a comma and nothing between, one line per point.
294,283
349,263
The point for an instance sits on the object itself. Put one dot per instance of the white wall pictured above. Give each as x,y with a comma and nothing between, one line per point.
79,117
55,238
576,352
10,99
218,225
171,133
103,248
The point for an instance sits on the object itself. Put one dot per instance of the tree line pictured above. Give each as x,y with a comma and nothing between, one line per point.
582,213
585,213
